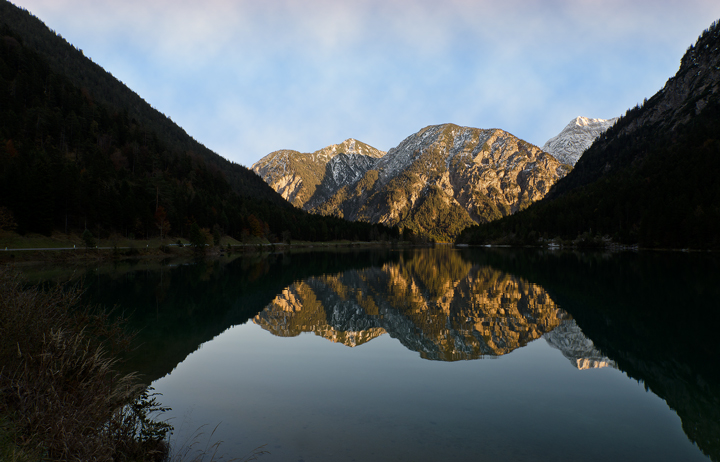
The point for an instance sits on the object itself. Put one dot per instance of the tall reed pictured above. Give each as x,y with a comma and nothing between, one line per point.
61,397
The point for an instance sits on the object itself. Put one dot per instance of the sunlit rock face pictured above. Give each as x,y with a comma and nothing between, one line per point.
300,308
433,303
446,177
436,182
297,176
575,346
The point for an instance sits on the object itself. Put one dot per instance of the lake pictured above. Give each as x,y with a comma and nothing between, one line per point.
432,354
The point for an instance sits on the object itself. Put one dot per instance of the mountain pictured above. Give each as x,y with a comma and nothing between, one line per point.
435,303
650,179
66,60
435,183
576,137
575,346
80,151
445,177
297,176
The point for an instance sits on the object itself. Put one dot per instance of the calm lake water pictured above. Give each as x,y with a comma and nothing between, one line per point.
433,354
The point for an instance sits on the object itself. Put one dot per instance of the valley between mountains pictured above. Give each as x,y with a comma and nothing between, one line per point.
80,151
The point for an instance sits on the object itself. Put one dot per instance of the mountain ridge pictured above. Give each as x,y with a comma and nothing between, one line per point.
434,183
71,161
296,176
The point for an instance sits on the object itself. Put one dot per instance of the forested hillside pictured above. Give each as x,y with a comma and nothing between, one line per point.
70,161
69,61
651,179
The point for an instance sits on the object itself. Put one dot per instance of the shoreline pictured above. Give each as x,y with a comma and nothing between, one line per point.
571,247
172,250
186,251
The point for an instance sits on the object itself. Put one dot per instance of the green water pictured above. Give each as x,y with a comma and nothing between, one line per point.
492,354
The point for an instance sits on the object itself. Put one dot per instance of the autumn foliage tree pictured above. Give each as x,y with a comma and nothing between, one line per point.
256,226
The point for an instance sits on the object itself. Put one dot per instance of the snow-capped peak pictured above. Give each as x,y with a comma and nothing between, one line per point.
576,137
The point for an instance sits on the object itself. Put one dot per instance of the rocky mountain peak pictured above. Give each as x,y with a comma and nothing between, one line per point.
435,182
296,175
585,121
576,137
446,177
349,146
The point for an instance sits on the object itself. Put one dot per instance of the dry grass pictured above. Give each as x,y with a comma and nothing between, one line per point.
13,240
60,396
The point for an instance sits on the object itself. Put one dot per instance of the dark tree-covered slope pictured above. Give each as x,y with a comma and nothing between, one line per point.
651,179
70,162
64,59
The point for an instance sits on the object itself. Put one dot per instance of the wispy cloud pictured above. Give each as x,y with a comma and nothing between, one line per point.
247,77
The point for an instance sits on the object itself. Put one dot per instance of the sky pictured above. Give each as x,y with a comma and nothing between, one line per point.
248,77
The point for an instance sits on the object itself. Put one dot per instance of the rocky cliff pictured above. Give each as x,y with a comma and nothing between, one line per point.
444,178
576,137
296,176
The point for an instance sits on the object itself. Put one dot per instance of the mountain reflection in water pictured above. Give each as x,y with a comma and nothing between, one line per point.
651,316
434,302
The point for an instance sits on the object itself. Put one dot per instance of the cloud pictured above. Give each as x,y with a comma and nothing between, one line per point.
247,77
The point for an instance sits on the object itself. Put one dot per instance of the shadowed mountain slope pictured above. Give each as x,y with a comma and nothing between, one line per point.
82,152
650,179
101,87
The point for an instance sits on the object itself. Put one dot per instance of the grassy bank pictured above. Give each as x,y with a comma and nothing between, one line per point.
14,241
60,395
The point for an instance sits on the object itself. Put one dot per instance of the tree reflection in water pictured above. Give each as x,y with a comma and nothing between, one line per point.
653,316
